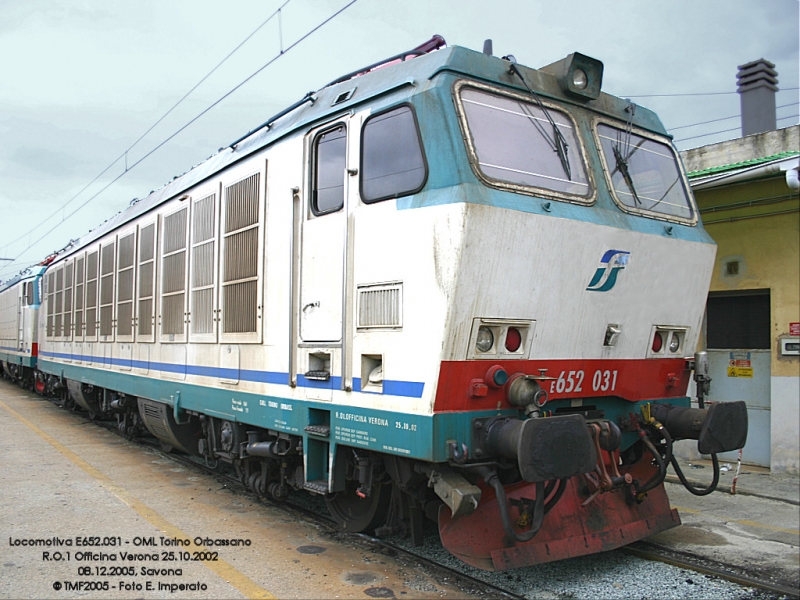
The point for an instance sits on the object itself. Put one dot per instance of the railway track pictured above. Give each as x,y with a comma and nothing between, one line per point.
477,582
735,574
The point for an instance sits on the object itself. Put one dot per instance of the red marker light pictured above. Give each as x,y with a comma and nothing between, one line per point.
658,342
513,339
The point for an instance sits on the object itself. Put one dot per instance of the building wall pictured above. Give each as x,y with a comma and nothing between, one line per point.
764,239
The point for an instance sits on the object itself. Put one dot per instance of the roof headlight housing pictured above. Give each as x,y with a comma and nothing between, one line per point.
578,75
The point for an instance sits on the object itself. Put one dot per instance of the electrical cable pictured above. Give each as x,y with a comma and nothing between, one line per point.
727,130
698,94
736,116
190,122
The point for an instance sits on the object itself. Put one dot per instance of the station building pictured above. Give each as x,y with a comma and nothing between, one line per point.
747,194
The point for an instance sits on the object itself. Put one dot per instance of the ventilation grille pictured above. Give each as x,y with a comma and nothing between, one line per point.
68,299
173,275
203,311
380,306
59,308
107,259
147,237
240,307
125,319
172,314
79,271
91,322
175,231
50,282
146,317
204,219
147,246
241,255
78,323
91,293
203,262
126,247
106,319
203,265
125,292
240,296
241,204
91,266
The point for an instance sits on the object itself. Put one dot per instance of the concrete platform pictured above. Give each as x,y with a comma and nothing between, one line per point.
62,478
757,528
77,500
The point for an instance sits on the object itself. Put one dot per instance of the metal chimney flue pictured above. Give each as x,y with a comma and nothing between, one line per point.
758,82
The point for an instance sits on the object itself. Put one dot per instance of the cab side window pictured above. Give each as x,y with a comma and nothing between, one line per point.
392,159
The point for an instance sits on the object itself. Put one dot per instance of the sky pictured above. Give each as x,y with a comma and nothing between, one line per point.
82,81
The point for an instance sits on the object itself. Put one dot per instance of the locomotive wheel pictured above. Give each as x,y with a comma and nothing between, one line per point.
355,514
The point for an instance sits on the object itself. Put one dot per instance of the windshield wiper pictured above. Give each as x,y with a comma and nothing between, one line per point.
558,143
622,167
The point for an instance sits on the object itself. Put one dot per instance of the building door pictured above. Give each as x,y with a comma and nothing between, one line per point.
739,355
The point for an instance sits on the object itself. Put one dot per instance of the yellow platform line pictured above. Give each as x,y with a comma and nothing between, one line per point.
693,511
219,567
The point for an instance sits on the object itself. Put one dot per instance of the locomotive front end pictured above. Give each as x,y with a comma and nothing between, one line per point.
570,386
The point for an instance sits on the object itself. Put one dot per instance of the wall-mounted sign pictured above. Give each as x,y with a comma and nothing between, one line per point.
740,365
794,329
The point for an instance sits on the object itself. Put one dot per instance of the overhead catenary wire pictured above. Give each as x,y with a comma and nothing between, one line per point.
153,126
694,94
736,116
182,128
728,130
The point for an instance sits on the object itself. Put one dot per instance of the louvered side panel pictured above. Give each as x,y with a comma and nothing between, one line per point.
146,283
173,276
240,263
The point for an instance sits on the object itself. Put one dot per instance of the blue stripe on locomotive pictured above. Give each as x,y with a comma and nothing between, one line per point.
424,437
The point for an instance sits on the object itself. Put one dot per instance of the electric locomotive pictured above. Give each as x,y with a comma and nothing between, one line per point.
445,287
20,298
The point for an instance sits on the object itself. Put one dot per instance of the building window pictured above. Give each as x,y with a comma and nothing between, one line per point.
738,320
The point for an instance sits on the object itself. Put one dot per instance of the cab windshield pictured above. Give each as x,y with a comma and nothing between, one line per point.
645,176
518,142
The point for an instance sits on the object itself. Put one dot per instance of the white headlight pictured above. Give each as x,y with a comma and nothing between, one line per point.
579,79
675,343
485,339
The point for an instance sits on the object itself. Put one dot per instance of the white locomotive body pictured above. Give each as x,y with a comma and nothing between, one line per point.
417,284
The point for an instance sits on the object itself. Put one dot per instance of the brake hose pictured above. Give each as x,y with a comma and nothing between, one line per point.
659,477
689,486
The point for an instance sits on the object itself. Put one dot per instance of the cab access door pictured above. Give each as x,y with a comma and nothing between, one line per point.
331,193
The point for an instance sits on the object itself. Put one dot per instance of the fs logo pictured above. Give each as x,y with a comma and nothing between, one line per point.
611,264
